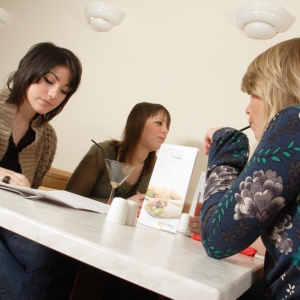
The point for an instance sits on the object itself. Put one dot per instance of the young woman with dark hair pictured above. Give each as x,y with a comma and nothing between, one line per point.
146,129
45,80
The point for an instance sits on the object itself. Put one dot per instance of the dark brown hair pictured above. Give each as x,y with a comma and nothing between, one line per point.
134,127
40,60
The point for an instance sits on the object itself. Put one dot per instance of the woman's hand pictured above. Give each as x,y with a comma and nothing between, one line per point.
15,178
208,138
138,198
194,225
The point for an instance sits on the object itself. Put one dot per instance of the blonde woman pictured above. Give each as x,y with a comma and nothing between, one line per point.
245,199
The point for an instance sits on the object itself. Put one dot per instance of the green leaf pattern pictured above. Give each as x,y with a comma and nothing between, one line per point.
264,156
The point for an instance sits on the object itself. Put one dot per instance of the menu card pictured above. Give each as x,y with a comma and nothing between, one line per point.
168,187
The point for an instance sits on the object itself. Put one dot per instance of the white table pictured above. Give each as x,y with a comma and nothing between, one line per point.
173,265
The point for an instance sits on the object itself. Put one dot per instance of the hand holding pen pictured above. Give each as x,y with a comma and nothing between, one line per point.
209,134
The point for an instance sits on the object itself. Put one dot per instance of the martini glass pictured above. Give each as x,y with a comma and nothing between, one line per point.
118,172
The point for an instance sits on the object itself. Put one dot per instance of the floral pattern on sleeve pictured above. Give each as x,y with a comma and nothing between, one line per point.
244,200
219,178
259,197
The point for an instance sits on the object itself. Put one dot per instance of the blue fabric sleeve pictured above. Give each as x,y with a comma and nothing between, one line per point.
243,198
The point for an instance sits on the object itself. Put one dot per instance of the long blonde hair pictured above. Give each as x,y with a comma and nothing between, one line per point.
274,76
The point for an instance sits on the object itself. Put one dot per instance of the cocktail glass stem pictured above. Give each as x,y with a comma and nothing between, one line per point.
118,172
111,196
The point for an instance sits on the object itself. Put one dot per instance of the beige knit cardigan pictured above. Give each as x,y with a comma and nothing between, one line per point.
35,159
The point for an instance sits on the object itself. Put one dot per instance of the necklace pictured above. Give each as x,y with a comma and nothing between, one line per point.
136,185
15,129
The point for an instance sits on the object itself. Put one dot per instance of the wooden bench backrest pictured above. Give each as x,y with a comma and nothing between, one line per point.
56,179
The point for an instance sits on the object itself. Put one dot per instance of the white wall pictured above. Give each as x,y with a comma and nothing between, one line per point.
187,55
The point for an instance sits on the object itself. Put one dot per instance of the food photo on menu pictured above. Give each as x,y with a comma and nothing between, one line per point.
163,203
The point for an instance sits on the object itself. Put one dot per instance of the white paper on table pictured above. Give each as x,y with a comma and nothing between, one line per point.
168,184
58,197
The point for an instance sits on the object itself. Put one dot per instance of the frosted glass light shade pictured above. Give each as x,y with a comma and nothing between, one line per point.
4,15
102,16
99,24
259,30
262,20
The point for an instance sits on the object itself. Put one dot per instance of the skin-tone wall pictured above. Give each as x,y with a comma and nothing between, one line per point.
189,56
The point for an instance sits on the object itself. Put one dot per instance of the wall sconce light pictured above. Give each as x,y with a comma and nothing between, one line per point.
4,15
262,20
102,16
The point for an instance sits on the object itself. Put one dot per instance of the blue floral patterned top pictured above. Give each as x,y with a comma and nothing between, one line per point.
260,197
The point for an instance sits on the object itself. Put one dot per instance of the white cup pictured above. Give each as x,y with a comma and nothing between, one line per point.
118,210
132,212
183,224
